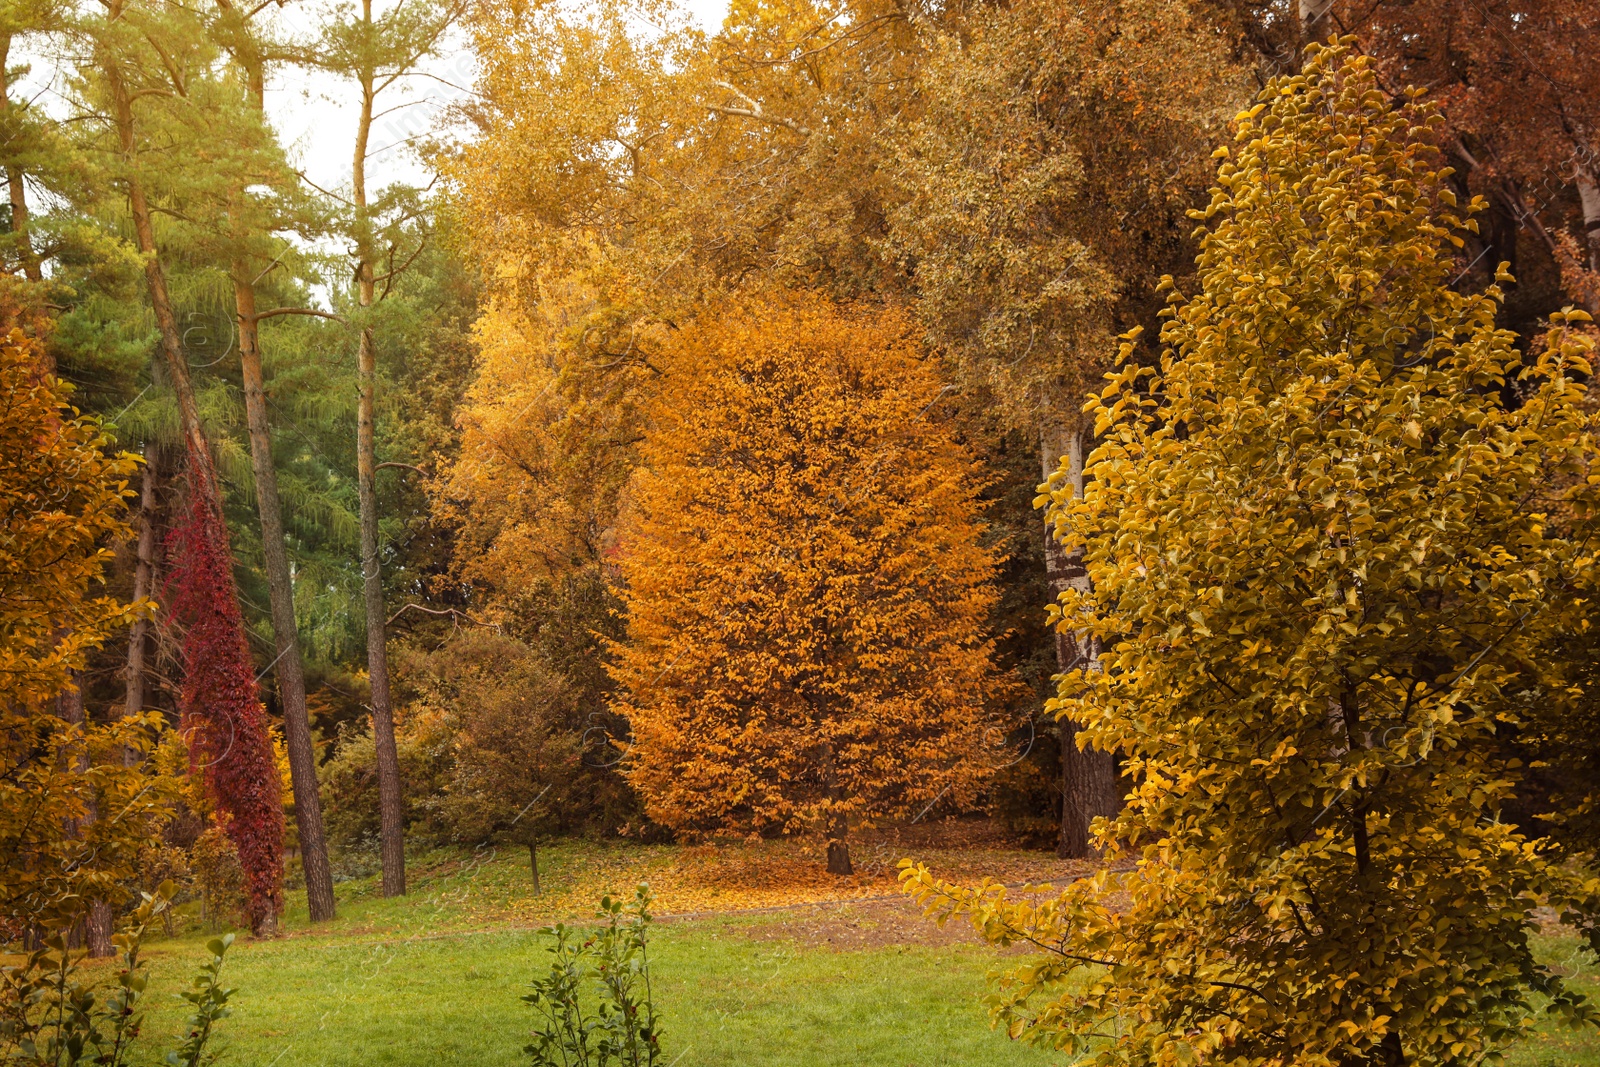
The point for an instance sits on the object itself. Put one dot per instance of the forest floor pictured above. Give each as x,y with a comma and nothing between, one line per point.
760,959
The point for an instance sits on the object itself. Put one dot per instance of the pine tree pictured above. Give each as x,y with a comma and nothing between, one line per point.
148,101
807,589
1322,565
376,51
256,200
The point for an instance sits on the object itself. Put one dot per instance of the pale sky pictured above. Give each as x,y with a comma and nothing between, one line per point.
315,113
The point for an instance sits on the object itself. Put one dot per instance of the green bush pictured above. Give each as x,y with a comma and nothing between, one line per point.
49,1016
611,962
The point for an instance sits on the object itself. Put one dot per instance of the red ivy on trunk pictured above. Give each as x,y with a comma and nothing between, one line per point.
226,724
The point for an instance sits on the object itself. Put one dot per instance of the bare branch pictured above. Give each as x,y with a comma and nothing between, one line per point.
429,611
755,111
275,312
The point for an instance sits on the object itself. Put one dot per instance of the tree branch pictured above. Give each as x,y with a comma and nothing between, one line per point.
275,312
754,110
429,611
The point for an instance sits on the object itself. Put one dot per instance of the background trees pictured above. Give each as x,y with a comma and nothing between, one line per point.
1052,151
807,593
519,352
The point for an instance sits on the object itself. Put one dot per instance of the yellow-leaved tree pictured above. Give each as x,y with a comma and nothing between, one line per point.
1325,575
75,807
807,587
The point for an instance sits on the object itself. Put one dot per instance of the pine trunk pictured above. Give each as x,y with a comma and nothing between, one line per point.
203,475
287,667
391,826
1088,776
143,586
288,670
160,297
99,928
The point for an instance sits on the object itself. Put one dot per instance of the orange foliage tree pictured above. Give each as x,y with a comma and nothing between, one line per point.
75,803
807,587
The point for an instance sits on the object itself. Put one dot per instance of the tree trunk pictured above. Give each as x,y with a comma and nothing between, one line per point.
391,828
95,930
533,861
1316,20
15,185
160,298
1088,776
1589,197
143,586
839,847
99,928
287,667
288,670
203,470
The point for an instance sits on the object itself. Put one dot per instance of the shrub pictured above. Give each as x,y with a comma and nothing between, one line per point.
50,1018
594,1006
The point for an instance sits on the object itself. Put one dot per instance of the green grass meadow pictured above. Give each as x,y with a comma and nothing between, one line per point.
726,999
412,983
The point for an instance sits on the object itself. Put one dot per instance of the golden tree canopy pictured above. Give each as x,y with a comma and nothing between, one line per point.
807,587
61,500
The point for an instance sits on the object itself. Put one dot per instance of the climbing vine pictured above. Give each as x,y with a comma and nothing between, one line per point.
224,721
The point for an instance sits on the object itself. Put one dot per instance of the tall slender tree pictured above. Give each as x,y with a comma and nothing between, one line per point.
131,48
259,200
377,53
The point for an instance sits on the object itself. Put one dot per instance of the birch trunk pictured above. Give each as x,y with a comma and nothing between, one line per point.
1589,198
1088,776
1316,20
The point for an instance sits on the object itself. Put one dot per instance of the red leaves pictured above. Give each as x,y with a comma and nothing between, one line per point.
225,723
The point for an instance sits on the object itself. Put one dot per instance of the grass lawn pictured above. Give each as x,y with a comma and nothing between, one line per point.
726,999
436,978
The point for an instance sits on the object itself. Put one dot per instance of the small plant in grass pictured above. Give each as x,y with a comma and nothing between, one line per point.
594,1007
49,1016
210,1000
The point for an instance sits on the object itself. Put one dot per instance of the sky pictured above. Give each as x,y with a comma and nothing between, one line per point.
315,113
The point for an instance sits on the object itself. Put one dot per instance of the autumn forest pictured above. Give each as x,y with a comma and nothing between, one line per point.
601,533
